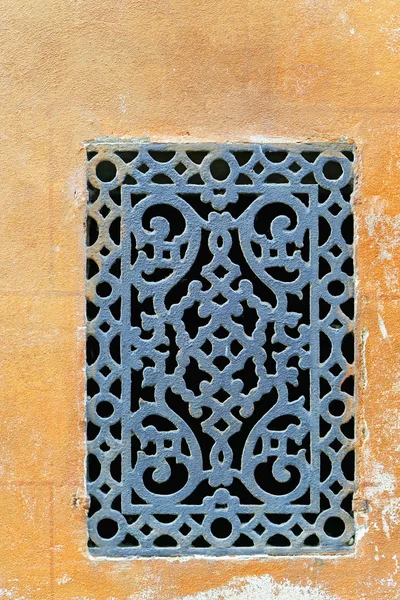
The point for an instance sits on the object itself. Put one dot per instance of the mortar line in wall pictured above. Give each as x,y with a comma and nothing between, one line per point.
49,294
52,591
52,484
50,174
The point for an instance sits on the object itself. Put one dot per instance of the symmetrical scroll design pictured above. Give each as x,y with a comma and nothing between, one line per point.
220,349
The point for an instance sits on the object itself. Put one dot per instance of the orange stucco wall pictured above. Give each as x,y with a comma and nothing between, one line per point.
75,70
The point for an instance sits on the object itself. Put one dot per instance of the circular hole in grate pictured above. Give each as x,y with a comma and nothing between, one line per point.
107,528
332,170
220,169
337,408
334,527
104,409
106,170
336,287
103,289
221,528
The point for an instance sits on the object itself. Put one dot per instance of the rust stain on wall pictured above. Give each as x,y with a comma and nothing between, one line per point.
306,70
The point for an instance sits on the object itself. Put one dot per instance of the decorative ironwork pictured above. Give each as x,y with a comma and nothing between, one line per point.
220,350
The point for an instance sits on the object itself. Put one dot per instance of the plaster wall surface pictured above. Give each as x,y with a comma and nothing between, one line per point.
71,71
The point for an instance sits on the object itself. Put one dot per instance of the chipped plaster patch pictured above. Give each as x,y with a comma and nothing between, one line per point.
388,582
392,33
396,383
392,279
391,515
262,588
396,562
64,579
11,593
382,327
391,416
122,101
382,482
149,594
153,589
361,530
75,188
384,228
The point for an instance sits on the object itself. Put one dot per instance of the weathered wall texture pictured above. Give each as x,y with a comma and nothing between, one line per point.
177,70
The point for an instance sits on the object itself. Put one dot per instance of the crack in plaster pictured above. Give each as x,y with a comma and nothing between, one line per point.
364,373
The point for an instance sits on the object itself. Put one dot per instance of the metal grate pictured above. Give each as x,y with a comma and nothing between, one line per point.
220,351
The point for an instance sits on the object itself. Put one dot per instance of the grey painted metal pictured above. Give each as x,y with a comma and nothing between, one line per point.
220,380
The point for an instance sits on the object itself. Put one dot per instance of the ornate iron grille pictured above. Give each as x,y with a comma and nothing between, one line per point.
220,383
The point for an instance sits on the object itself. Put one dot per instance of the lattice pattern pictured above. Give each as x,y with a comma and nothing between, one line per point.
220,349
